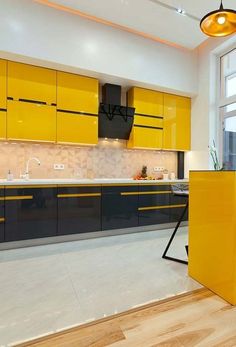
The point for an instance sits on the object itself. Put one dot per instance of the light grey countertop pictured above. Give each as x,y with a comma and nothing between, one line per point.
99,181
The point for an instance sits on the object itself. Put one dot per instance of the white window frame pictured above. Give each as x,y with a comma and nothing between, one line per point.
224,101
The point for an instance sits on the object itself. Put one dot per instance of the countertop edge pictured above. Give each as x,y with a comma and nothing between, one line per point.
86,182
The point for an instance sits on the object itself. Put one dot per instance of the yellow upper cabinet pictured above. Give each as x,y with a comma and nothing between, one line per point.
156,122
147,131
31,122
3,84
77,93
3,125
177,123
145,138
145,101
3,98
31,83
77,129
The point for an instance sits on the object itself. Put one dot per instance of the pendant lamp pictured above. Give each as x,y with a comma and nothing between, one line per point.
219,23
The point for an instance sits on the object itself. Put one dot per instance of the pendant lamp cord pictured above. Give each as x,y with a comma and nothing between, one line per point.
221,5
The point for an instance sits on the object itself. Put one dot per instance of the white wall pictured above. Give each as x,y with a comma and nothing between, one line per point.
32,32
205,116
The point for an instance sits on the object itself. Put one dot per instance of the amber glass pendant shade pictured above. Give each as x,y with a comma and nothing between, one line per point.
219,23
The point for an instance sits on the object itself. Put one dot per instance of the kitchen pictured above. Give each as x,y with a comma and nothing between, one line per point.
101,124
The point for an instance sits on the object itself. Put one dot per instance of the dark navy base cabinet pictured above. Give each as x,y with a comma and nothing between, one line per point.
152,217
154,198
79,209
30,213
2,214
119,207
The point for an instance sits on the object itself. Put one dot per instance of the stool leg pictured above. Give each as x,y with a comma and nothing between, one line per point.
164,256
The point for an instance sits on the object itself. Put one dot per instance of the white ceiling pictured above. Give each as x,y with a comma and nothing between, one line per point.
153,17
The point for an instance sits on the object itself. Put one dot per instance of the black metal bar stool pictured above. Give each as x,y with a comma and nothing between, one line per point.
180,190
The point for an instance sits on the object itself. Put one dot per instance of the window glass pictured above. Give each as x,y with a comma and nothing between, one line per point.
228,112
229,137
228,74
231,107
230,85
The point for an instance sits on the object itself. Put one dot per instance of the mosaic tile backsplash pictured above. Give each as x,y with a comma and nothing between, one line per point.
110,159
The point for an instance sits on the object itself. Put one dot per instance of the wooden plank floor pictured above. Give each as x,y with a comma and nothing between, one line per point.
197,319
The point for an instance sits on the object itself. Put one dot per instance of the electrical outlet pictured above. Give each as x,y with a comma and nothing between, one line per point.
59,166
158,168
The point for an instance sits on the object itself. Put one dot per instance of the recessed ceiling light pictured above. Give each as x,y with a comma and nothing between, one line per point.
180,11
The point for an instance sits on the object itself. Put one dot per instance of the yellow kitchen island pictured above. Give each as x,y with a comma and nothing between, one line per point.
212,231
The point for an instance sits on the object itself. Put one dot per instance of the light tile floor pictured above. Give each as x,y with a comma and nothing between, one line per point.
49,288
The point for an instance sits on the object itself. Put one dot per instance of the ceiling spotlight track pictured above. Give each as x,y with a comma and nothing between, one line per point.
219,23
172,8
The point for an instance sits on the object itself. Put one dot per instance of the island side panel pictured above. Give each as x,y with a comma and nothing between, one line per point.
212,231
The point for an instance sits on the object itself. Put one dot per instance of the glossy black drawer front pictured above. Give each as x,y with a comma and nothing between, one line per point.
132,188
154,187
154,205
30,213
2,215
155,216
119,207
178,200
79,209
154,199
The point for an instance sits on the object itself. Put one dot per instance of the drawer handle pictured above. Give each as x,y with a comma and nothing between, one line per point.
2,220
19,197
78,195
129,193
159,207
160,192
146,193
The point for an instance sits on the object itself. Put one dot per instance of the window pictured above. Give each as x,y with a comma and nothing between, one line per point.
228,108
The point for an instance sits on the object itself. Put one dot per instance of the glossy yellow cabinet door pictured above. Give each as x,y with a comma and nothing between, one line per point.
77,93
177,123
3,84
77,129
147,138
3,125
31,83
156,122
31,122
145,101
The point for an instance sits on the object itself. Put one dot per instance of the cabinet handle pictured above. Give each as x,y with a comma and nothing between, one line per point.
2,220
159,207
78,195
148,127
39,102
148,115
129,193
146,193
19,197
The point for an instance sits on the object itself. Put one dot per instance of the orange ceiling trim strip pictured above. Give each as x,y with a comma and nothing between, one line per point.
108,23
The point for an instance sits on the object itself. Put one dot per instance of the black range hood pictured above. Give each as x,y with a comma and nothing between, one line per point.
115,121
